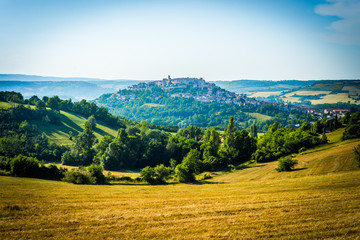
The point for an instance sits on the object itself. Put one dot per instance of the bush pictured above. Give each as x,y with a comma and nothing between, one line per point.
184,174
79,176
51,172
286,164
125,179
5,163
23,166
156,175
96,171
206,176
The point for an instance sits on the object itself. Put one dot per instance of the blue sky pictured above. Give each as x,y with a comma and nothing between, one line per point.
216,40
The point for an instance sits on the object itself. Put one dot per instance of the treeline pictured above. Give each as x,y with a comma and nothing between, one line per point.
136,147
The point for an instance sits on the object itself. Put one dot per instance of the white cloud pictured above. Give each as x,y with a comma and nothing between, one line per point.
347,29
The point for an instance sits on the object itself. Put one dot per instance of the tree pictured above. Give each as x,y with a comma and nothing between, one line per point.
357,154
23,166
96,171
184,174
273,127
33,99
157,175
210,149
337,123
82,153
227,151
323,137
245,146
133,130
253,131
192,161
54,103
100,147
91,122
346,118
144,128
40,105
305,126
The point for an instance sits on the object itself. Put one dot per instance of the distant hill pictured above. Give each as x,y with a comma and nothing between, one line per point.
65,88
252,86
320,92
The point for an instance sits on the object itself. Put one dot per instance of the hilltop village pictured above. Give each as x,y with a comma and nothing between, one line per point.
203,91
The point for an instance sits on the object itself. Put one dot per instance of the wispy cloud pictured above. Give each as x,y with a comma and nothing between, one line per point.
347,29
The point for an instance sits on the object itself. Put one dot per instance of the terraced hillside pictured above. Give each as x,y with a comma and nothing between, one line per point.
319,200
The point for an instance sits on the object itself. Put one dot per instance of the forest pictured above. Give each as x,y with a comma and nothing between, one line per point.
159,153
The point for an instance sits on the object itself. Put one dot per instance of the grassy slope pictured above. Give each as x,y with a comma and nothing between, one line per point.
259,116
308,203
69,122
75,123
334,157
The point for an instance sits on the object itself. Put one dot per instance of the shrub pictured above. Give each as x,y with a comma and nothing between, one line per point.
5,163
125,179
286,164
184,174
206,176
156,175
79,176
51,172
23,166
96,171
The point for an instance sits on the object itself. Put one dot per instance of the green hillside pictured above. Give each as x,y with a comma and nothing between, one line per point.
75,123
337,156
68,122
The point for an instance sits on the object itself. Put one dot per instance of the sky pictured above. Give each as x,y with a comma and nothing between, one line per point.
151,39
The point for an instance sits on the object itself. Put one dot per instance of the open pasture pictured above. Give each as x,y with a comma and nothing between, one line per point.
319,200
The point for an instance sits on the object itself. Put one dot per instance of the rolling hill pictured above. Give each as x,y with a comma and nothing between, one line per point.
59,133
73,88
319,92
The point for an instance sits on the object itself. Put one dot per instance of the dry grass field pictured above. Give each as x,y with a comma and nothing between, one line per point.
319,200
314,207
259,116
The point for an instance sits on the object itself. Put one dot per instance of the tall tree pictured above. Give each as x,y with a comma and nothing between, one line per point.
253,131
227,151
210,149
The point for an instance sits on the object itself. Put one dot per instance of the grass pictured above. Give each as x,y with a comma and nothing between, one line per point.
328,98
69,122
320,199
259,116
75,123
153,105
314,207
334,98
264,94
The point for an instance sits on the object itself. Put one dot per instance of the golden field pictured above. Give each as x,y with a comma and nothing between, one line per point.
319,200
